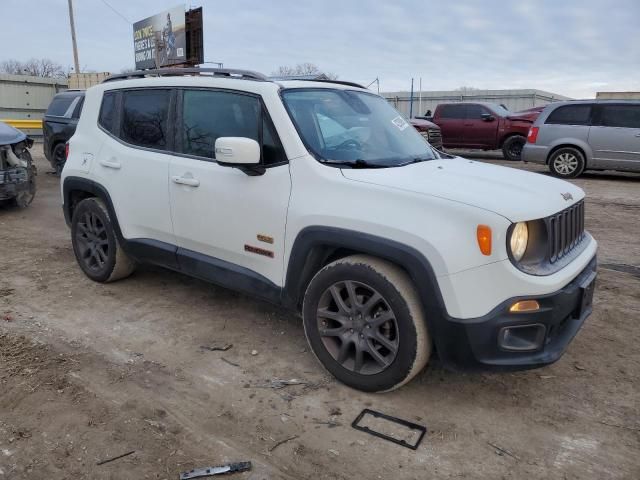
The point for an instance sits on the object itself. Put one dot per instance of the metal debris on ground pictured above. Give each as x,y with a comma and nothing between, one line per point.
229,362
102,462
502,451
412,427
218,470
278,384
217,348
282,442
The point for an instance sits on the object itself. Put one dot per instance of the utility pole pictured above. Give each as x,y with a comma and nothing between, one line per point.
73,38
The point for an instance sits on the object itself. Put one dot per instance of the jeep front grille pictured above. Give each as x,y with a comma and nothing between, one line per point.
565,230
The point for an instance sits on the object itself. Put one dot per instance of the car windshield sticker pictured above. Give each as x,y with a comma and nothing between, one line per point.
400,122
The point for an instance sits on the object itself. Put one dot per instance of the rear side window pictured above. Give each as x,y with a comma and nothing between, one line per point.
570,115
107,118
453,111
627,116
59,105
208,115
78,110
144,118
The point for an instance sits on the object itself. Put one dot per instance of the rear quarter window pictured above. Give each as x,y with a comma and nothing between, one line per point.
570,115
107,117
59,106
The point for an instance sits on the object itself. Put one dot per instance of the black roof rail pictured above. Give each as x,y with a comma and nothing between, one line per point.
339,82
177,72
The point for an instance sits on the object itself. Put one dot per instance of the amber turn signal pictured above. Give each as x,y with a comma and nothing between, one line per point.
524,306
484,239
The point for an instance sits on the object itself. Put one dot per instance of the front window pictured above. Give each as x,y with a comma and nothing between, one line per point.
354,128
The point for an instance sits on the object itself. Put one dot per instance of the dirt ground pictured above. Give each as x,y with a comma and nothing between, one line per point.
90,371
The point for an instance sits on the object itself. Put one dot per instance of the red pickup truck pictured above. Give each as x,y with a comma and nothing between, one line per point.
485,126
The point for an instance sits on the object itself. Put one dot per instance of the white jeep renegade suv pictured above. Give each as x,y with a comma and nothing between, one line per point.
320,197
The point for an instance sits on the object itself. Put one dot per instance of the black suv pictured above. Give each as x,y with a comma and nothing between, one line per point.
59,125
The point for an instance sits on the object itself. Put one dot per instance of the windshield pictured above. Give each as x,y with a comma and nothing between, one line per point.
499,109
347,126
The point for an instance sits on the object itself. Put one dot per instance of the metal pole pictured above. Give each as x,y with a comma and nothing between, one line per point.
420,110
76,62
411,101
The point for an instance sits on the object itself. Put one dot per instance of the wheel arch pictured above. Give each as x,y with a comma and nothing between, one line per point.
315,247
509,135
582,148
76,189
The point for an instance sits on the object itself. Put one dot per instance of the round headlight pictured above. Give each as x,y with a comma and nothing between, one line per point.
519,239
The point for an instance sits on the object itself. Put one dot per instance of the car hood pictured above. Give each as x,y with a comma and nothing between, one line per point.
526,116
423,124
515,194
10,135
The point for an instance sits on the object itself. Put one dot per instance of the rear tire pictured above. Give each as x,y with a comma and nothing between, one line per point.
96,245
58,158
567,162
365,323
512,147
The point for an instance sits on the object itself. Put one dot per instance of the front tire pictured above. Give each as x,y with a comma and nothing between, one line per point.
95,244
365,323
567,162
512,147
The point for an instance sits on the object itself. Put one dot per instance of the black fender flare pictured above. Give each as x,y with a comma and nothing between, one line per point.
309,250
73,184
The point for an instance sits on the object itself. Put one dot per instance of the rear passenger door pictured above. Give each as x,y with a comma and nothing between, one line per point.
222,217
615,136
451,120
133,162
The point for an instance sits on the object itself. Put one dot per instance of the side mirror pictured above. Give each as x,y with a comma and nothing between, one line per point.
239,152
487,117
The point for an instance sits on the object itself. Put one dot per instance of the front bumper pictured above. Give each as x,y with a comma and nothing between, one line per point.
474,344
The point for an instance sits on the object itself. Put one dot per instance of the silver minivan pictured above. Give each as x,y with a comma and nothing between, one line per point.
575,136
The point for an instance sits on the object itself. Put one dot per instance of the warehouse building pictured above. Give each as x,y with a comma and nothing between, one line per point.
514,100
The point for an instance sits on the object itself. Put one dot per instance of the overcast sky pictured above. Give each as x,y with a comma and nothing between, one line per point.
570,47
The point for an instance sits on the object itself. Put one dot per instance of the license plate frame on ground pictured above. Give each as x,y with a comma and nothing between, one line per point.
422,430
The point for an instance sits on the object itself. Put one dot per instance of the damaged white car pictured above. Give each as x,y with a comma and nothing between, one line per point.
17,172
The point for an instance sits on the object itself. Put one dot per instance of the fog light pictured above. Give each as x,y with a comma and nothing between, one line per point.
522,338
524,306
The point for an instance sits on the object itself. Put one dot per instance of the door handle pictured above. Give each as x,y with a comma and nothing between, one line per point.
191,182
111,164
638,135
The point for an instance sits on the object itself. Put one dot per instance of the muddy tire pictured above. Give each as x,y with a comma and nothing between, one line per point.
96,245
567,162
365,323
58,158
512,147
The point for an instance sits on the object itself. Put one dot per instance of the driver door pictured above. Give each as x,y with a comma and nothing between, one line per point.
223,218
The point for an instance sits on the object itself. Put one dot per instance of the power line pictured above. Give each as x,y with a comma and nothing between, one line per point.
116,11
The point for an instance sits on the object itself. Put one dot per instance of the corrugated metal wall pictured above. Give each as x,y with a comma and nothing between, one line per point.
514,100
25,97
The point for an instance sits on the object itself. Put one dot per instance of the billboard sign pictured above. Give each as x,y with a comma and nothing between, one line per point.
162,36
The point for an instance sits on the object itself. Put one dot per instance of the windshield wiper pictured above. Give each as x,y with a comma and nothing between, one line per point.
359,163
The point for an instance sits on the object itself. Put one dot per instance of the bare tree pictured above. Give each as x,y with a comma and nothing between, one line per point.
302,69
38,67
